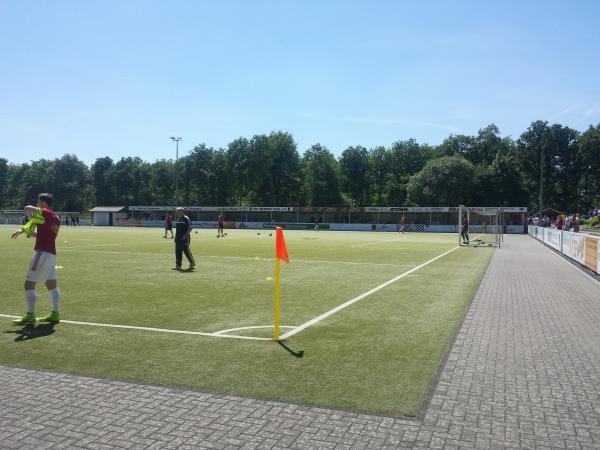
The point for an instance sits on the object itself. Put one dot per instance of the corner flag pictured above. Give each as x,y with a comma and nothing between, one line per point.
280,253
280,248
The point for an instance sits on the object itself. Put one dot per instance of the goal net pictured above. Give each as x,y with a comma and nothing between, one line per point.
480,227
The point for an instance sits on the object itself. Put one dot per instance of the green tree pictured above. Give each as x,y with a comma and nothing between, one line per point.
130,178
556,146
103,189
69,181
530,149
455,145
378,175
163,182
238,156
449,180
320,177
284,169
589,153
354,175
405,159
3,182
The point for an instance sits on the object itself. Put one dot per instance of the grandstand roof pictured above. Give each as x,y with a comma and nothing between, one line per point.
107,209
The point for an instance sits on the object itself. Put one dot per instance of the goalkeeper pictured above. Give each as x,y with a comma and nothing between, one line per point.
42,267
464,230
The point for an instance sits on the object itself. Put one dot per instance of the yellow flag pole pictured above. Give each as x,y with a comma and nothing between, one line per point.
277,285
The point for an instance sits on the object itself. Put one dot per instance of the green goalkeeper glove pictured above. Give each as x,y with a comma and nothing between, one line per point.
36,219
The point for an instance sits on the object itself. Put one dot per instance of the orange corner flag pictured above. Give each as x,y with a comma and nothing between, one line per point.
280,248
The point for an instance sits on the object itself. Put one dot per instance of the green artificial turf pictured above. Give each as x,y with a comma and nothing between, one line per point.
378,355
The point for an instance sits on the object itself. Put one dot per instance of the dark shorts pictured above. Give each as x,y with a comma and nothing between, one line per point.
169,227
221,226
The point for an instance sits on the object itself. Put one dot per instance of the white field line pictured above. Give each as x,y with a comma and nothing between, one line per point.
249,258
377,242
293,260
68,247
317,319
160,330
254,327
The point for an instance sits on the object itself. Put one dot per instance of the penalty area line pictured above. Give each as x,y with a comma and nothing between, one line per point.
159,330
323,316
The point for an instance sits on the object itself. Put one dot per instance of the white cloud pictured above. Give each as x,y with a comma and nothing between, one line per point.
383,121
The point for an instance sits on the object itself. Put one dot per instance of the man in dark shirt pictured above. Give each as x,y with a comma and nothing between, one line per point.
464,230
221,225
183,228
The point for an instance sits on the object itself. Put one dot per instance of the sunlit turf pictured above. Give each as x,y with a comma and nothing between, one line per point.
380,354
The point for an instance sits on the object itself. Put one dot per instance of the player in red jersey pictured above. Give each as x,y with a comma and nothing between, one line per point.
221,225
44,225
169,225
402,223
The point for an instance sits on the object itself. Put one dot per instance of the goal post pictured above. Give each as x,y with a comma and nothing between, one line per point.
480,226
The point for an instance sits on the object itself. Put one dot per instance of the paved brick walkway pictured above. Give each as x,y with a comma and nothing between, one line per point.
524,372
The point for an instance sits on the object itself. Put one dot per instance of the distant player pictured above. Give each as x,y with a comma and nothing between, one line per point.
221,225
464,230
183,228
169,225
402,224
42,267
317,221
483,226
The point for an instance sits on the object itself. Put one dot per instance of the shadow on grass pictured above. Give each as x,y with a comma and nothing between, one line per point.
33,332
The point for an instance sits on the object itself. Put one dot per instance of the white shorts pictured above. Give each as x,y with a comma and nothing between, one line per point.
42,267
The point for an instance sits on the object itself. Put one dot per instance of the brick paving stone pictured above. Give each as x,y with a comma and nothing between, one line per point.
523,372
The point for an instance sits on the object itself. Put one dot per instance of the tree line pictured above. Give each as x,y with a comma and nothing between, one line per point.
485,170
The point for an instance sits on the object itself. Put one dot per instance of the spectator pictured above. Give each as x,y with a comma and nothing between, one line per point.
559,222
568,223
576,223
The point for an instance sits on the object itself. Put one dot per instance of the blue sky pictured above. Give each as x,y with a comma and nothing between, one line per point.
117,78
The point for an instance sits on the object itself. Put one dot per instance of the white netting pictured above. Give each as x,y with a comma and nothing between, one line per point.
479,226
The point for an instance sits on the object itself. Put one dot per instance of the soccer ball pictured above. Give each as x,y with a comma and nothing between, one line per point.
258,234
225,234
217,236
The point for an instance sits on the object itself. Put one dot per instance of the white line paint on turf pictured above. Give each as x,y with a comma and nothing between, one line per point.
68,247
254,327
159,330
377,242
317,319
246,258
312,261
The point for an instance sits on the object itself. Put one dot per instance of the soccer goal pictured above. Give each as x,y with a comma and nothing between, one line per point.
480,227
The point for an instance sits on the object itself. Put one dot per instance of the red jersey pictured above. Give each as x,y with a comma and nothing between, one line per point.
47,232
401,221
169,220
221,219
465,224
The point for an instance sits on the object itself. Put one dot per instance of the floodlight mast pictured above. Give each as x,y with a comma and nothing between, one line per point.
176,140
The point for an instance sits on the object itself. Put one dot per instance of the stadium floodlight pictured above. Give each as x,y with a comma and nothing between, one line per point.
176,140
